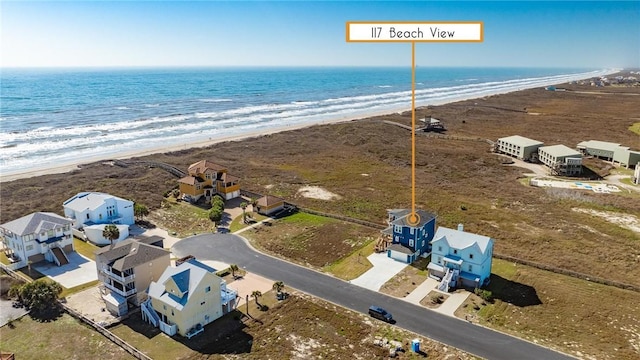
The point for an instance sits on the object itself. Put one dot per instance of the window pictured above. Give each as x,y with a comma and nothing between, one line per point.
410,242
87,216
470,256
439,248
411,231
470,268
397,228
455,251
164,307
439,259
397,239
207,289
422,243
172,314
29,247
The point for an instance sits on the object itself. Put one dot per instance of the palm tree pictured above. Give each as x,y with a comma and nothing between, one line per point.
244,205
278,286
233,268
254,203
140,211
111,233
256,294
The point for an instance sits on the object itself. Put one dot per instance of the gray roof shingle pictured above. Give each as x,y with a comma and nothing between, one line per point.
35,223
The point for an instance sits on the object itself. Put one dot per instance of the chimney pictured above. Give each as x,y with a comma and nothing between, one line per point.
460,227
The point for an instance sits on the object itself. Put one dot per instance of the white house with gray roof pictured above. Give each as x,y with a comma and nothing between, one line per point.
126,269
459,258
186,298
37,237
561,159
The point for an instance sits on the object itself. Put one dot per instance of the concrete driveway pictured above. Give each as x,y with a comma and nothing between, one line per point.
78,271
384,268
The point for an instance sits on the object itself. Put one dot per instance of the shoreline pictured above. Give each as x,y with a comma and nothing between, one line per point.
68,166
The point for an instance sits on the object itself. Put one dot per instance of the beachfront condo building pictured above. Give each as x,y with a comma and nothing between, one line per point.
37,237
186,298
460,259
207,179
519,147
609,151
127,268
562,160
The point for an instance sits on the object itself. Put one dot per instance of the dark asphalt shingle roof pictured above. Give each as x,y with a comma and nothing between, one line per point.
130,253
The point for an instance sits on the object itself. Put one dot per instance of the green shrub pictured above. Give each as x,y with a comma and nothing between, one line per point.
486,295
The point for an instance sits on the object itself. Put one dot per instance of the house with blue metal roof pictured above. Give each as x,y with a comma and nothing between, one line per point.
460,259
186,298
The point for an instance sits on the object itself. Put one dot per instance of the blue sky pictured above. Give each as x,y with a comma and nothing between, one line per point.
265,33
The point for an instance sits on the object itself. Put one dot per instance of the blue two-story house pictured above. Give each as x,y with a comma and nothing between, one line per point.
408,242
460,258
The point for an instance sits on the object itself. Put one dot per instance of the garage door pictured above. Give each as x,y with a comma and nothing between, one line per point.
396,255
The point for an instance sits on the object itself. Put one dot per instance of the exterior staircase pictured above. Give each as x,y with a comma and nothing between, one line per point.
446,279
149,313
59,256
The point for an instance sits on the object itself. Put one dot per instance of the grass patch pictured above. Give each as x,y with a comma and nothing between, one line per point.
4,259
353,265
64,338
182,218
237,223
635,128
69,291
627,181
305,219
85,248
311,240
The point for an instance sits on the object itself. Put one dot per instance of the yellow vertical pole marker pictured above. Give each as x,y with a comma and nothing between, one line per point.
414,219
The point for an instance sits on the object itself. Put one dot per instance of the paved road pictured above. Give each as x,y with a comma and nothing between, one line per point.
477,340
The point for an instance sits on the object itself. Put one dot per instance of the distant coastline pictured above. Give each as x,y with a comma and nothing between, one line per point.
227,121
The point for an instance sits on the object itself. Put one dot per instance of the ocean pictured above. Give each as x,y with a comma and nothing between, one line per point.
54,117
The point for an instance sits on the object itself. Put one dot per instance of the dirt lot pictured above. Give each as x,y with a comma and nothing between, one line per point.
407,280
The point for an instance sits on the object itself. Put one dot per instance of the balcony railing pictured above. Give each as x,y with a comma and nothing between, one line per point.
126,278
124,293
